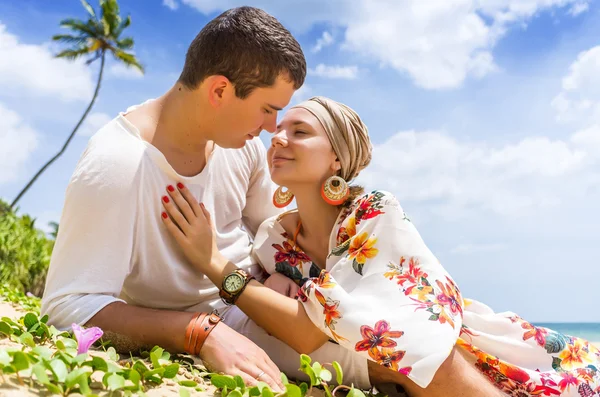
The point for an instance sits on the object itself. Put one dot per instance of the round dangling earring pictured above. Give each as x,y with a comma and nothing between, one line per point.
282,199
335,190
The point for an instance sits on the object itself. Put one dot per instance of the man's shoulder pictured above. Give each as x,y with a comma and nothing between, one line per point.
112,157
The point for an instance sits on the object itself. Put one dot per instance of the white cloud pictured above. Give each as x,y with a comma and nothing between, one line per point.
324,41
579,8
172,4
93,123
439,44
122,71
335,71
579,100
19,141
458,178
32,70
477,248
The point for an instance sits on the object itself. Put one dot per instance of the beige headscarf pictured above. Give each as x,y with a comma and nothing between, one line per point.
348,135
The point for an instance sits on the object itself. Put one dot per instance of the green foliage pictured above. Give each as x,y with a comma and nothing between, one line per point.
24,252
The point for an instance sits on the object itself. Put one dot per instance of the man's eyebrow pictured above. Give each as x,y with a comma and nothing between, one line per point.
274,107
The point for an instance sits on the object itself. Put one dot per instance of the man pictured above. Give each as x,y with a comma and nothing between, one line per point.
114,264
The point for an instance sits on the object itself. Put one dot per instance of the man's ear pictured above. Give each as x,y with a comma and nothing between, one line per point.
218,90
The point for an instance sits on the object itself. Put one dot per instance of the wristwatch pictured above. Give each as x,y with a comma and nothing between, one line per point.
233,285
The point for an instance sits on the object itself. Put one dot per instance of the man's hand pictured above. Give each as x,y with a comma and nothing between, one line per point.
282,284
231,353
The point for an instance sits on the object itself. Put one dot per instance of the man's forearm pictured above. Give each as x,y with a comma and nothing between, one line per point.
132,328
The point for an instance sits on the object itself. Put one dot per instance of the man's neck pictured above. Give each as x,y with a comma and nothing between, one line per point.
175,126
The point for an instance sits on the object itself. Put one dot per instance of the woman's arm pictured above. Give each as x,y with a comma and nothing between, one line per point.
283,317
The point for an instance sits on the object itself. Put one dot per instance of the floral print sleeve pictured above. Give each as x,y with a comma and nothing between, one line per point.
383,293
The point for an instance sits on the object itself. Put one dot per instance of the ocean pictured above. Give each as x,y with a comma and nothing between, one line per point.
589,331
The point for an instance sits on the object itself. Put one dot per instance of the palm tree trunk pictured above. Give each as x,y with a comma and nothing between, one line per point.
57,155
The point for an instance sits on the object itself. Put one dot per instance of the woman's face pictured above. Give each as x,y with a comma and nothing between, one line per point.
300,152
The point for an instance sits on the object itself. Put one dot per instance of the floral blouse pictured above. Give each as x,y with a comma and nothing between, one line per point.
385,296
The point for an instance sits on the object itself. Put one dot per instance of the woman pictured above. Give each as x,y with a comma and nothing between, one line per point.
367,280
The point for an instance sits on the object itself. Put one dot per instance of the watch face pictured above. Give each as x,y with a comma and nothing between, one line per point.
233,283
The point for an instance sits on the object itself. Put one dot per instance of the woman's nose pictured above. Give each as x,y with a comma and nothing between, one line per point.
279,138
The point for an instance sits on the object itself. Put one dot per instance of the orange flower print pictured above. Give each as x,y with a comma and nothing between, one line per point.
347,232
388,357
411,276
331,312
450,297
380,336
575,355
369,207
362,248
324,280
539,334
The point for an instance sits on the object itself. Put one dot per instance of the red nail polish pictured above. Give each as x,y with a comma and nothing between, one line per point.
170,188
180,185
164,215
165,199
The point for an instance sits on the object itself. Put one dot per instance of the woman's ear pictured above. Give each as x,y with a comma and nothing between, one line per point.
337,166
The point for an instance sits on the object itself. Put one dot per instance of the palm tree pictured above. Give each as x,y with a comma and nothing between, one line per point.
93,39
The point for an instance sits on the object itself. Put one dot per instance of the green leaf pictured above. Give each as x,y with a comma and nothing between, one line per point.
254,391
293,391
112,354
27,339
327,390
97,364
184,392
234,393
73,377
80,358
88,8
43,351
307,369
155,355
266,392
54,389
134,377
140,367
261,386
84,386
355,393
284,378
59,368
40,373
20,361
339,374
188,383
325,375
5,328
222,381
240,383
115,382
305,359
171,371
4,357
30,320
303,388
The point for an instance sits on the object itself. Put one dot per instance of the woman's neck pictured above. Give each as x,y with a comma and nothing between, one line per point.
318,218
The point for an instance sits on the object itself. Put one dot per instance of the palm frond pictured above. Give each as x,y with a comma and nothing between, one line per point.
74,54
124,25
110,15
89,9
125,44
128,59
80,27
69,39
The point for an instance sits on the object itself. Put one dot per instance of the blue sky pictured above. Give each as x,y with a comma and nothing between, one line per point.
485,118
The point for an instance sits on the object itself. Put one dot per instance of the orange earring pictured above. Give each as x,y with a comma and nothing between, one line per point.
282,199
335,190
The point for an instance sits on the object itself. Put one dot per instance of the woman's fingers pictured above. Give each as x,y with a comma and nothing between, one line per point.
176,215
182,204
187,195
172,228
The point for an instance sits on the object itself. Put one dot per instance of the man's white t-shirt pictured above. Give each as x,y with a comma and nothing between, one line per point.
112,244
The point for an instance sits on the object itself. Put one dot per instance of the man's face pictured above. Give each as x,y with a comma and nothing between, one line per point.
240,120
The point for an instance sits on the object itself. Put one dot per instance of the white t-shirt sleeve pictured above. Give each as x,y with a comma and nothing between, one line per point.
259,199
94,246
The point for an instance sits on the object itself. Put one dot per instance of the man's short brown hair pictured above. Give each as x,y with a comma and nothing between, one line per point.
249,47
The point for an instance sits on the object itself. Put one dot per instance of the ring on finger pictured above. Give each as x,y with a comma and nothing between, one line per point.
262,373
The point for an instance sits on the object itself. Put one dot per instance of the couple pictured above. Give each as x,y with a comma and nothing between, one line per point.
154,245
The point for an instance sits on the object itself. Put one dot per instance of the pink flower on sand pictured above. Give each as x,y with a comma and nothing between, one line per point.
85,337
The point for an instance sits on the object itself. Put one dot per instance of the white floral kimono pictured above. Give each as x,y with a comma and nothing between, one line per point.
384,295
